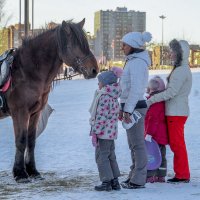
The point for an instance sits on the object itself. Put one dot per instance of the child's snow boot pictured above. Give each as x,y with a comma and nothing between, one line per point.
150,179
160,179
105,186
115,184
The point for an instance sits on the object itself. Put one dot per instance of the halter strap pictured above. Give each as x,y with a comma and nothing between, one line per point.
79,63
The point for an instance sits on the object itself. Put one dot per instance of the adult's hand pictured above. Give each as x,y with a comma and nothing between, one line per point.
127,118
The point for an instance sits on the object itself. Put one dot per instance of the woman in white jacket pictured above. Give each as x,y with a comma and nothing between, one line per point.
177,108
133,82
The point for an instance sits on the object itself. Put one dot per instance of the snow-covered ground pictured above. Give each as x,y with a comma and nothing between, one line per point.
65,156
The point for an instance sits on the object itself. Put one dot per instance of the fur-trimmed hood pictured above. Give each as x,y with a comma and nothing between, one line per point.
185,51
182,50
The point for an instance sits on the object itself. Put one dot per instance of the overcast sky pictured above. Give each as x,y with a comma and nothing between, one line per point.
182,22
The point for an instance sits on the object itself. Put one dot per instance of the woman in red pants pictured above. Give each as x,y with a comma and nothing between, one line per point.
177,108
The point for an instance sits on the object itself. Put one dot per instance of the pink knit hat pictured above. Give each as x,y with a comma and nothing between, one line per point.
117,71
156,84
161,83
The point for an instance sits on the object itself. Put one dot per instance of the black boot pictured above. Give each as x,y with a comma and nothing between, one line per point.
115,184
105,186
132,186
125,182
178,180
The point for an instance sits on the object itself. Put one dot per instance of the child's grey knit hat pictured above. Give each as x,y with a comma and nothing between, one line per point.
107,78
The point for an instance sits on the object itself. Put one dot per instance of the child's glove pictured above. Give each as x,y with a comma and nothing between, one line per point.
148,138
94,140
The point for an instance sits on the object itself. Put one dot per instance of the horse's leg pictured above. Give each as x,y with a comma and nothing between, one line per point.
20,121
29,155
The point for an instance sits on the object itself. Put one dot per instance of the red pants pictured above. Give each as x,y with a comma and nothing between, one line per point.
175,126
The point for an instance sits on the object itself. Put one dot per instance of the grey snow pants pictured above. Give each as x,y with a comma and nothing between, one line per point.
106,160
135,136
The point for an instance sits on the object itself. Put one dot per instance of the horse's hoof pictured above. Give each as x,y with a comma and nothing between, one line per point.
22,180
37,177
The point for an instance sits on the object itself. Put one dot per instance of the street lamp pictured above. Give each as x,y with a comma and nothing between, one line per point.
20,22
26,17
32,16
162,17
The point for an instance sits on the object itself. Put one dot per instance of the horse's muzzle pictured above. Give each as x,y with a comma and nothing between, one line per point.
93,73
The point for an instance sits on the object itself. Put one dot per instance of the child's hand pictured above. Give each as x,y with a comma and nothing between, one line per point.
148,103
94,140
148,138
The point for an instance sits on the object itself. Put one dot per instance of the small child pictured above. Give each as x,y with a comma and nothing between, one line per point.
156,128
104,128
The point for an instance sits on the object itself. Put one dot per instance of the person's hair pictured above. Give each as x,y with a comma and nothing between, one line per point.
135,50
176,48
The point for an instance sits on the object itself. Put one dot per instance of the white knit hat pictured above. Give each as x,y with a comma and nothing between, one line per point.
137,39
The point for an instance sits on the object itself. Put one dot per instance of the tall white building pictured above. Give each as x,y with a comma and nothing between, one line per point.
110,26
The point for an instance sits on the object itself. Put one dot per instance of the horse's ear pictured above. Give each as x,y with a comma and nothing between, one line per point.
66,27
81,23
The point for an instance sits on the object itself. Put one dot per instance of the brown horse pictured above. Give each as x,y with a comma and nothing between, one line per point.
36,64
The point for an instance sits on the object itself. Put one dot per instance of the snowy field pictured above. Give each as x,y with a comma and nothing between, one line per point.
65,156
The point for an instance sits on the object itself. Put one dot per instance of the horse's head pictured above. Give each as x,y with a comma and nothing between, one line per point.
74,49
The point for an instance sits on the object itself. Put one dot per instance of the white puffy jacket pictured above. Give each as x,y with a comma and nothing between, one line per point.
134,79
177,89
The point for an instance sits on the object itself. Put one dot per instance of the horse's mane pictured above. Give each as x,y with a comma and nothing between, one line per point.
78,37
27,41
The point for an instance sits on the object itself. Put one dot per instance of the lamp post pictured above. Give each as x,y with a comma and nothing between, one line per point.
20,21
26,17
32,16
162,17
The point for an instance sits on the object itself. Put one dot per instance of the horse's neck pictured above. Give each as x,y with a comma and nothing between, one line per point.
40,60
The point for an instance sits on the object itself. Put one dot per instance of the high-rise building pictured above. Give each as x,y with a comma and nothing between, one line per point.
109,28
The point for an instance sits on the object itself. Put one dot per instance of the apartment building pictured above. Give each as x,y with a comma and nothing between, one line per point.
109,28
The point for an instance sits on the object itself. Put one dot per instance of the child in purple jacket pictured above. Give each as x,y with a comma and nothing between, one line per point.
104,128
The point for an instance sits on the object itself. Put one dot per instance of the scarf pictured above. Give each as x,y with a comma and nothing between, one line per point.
93,107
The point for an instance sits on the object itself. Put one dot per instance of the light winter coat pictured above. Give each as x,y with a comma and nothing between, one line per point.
134,80
106,112
177,89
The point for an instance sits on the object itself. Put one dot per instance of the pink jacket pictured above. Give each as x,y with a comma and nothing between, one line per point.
155,123
107,112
